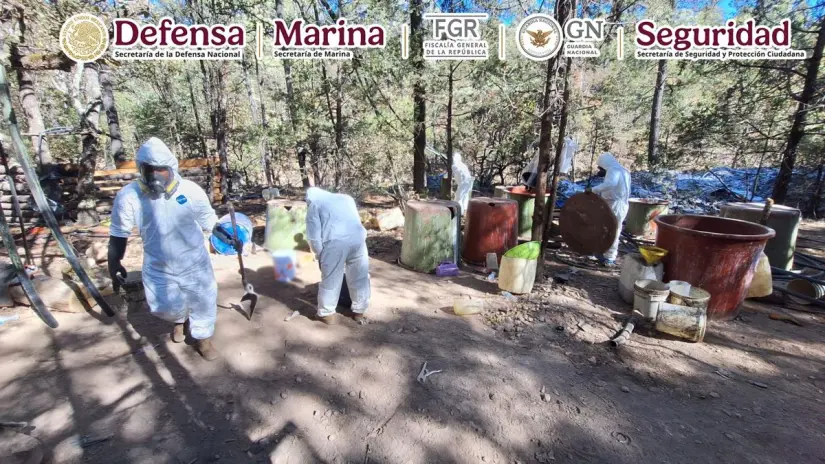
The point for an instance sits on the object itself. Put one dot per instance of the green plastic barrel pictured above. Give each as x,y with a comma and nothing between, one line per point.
430,234
640,215
783,219
526,205
286,225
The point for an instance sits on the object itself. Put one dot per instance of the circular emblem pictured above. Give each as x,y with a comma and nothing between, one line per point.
84,38
539,37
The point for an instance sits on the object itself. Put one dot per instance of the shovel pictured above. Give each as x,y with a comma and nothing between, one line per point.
250,296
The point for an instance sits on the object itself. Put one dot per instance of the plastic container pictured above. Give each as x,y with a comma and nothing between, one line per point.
283,264
640,215
468,306
649,296
491,227
526,206
244,234
783,219
682,321
634,268
679,286
694,297
431,234
762,283
517,271
716,254
806,288
286,225
446,269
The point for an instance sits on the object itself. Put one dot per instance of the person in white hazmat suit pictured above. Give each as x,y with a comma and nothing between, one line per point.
615,190
338,239
462,176
171,215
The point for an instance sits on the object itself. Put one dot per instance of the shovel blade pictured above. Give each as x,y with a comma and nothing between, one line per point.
249,301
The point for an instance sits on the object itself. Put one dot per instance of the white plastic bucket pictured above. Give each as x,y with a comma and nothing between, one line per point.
517,275
649,295
283,264
679,286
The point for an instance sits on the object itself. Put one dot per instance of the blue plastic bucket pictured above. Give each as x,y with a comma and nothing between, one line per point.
244,234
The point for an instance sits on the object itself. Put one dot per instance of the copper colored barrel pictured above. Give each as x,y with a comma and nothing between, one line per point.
713,253
492,227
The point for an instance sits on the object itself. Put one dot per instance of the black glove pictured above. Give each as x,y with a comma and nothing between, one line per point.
226,237
117,249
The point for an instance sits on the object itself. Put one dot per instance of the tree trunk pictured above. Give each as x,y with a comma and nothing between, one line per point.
201,136
253,111
215,87
108,97
545,145
653,156
449,133
339,126
86,214
818,193
419,96
265,152
783,180
564,8
31,107
551,204
300,151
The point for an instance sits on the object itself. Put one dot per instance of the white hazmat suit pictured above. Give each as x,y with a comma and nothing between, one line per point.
462,176
177,271
335,233
616,192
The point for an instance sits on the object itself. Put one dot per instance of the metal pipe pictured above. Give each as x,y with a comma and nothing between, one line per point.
40,199
28,288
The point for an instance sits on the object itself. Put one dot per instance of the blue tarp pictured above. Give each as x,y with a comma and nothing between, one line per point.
691,192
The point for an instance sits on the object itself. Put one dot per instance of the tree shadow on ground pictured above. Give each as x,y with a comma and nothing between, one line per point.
304,392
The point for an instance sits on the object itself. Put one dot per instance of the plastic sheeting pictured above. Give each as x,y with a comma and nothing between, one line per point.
698,192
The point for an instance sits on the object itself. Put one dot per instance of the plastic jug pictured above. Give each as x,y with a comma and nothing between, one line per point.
634,268
517,270
468,306
762,283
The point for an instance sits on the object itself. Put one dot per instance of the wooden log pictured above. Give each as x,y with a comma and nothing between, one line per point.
58,295
4,186
185,163
9,206
113,184
21,198
7,213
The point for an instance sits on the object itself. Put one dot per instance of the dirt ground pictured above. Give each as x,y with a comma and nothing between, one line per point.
527,381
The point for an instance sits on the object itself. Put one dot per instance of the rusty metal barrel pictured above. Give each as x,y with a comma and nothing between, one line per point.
716,254
640,215
492,227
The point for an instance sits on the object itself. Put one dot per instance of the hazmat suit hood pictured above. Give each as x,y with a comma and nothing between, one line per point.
607,161
315,194
155,153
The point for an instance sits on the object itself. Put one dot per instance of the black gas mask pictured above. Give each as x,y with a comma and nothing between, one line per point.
158,180
602,172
